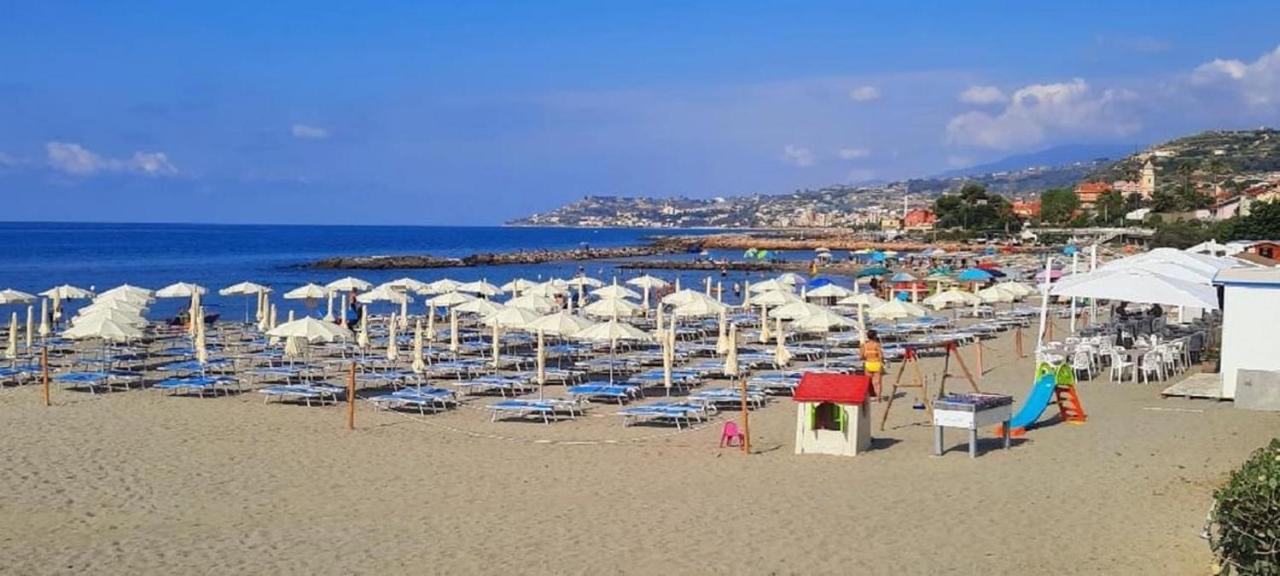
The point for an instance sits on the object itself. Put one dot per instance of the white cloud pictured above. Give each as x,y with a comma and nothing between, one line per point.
853,153
798,156
75,159
983,95
1040,111
306,132
864,94
1257,82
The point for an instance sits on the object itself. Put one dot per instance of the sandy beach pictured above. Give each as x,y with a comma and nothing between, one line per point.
144,483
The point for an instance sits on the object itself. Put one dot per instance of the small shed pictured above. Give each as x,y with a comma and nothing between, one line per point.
832,414
1250,316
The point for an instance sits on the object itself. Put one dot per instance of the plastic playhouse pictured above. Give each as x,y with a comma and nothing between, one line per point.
832,414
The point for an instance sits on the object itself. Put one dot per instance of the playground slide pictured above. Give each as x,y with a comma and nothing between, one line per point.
1033,407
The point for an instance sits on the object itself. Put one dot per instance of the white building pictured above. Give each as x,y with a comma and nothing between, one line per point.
1250,317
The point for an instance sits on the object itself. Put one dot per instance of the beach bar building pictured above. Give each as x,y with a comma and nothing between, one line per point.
832,414
1250,322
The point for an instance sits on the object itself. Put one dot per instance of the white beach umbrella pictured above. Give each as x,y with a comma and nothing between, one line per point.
647,281
993,294
102,328
544,290
11,347
450,299
313,330
790,278
781,356
393,347
495,345
130,298
699,308
1139,286
181,290
731,355
896,309
764,325
67,292
193,311
614,332
861,299
294,347
200,343
480,287
822,320
951,297
328,308
562,324
1018,289
796,311
479,306
541,363
119,316
31,327
668,357
774,285
517,286
419,366
774,298
407,284
431,323
532,302
454,345
508,317
362,336
746,295
722,334
685,297
443,286
349,284
307,292
241,289
122,305
44,318
615,291
384,294
658,329
612,308
10,296
584,281
829,291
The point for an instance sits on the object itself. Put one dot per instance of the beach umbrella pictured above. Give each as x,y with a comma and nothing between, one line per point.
67,292
311,330
181,290
443,286
775,298
200,344
872,271
707,288
44,318
973,275
684,297
796,311
349,284
495,344
120,316
407,284
774,285
764,325
614,292
668,357
746,294
128,290
192,312
419,366
273,317
1018,289
293,347
11,296
508,317
993,294
532,302
791,279
478,306
450,299
241,289
731,356
540,362
31,326
307,292
902,277
515,287
480,287
562,324
821,320
722,334
130,298
861,300
121,305
647,281
384,294
453,332
896,309
393,349
328,308
657,331
611,308
431,323
587,281
1138,286
264,323
11,348
699,308
102,328
613,332
362,337
829,291
949,297
781,356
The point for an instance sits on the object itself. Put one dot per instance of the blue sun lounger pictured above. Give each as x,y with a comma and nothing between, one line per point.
619,393
730,396
547,409
17,374
197,384
321,393
433,399
676,413
92,380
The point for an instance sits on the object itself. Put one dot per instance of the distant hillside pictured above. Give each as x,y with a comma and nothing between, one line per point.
1203,157
1057,156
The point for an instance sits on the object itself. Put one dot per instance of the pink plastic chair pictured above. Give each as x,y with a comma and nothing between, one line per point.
730,433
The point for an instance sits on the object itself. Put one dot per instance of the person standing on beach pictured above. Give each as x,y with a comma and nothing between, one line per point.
873,360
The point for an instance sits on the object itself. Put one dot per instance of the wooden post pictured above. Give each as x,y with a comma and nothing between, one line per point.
746,420
977,344
351,397
1018,341
44,374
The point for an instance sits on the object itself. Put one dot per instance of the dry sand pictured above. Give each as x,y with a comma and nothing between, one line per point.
136,482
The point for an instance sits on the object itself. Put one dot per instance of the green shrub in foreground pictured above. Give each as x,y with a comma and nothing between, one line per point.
1245,522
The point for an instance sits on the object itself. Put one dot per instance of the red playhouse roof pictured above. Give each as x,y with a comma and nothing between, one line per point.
839,388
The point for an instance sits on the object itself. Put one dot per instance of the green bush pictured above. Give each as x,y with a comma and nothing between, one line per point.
1245,522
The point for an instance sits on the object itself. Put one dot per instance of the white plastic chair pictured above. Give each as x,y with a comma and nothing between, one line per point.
1080,361
1152,363
1119,364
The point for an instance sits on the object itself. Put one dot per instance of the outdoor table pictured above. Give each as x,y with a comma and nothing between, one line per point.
970,412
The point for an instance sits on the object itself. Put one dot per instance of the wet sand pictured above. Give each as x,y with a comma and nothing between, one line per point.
137,482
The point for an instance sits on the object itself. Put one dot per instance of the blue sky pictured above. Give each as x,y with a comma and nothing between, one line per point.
450,113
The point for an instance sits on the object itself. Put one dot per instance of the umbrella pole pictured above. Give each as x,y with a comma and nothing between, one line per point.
351,397
44,375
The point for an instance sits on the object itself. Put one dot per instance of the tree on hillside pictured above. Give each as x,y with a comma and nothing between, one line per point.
1133,202
1262,223
1110,208
975,209
1058,206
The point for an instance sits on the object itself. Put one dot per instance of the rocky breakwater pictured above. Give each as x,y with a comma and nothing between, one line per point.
523,257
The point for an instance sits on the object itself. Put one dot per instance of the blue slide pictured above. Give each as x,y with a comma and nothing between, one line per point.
1033,407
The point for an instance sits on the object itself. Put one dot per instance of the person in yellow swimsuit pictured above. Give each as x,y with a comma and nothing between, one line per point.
873,360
